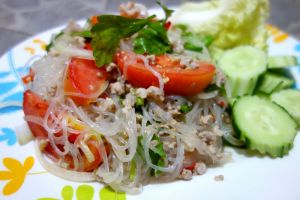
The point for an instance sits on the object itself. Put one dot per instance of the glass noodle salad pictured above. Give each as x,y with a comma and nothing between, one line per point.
131,99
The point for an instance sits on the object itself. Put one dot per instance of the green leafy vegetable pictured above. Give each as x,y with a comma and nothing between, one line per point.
159,150
158,155
193,41
212,87
152,40
132,172
185,108
107,35
49,46
230,22
139,102
167,11
85,34
192,47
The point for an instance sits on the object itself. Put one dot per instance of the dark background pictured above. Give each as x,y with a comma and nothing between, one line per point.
20,19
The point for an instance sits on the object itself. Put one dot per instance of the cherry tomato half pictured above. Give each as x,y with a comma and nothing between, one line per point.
85,81
179,81
35,105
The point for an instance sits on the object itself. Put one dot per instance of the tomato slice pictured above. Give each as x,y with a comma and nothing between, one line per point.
181,81
85,81
88,46
166,62
35,105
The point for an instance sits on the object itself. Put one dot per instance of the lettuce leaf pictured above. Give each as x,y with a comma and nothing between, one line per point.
230,22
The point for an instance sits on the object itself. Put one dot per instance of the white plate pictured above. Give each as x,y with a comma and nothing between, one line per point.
246,177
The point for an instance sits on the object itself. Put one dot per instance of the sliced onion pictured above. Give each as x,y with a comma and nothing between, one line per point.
105,128
23,133
87,152
61,172
66,50
208,95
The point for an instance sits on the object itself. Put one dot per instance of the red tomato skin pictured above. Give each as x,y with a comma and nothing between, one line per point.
85,78
88,46
89,166
185,82
35,105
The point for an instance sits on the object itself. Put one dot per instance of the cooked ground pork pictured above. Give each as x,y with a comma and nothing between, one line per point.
186,174
133,10
219,178
200,168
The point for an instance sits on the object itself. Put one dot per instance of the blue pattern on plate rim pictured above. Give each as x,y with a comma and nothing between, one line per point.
10,90
297,47
8,135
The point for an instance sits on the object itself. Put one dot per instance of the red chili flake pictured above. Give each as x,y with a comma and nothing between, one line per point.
168,25
88,46
28,78
191,166
72,138
221,103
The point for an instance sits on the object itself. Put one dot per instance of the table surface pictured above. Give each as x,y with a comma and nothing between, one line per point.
20,19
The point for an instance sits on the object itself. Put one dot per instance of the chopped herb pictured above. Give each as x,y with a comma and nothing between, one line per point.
85,34
139,102
122,100
159,148
49,46
182,27
107,35
207,40
191,47
191,38
152,40
132,172
140,147
211,88
157,154
167,11
185,108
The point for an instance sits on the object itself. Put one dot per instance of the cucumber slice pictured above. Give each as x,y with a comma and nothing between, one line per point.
242,66
289,100
264,126
270,83
282,61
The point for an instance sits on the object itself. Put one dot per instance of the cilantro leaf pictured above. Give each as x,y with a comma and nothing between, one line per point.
157,155
192,47
191,38
85,34
50,45
107,34
152,40
159,147
191,41
167,11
